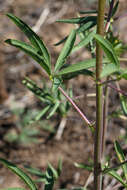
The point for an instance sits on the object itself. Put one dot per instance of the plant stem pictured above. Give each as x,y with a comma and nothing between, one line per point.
109,16
105,119
99,101
77,109
118,90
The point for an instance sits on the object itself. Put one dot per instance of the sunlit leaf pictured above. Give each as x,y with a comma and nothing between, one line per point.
86,26
33,37
56,83
59,168
29,50
124,74
41,113
84,42
85,72
53,109
39,92
109,69
51,176
34,171
54,171
121,157
78,20
66,50
84,166
26,179
78,66
123,101
108,49
117,177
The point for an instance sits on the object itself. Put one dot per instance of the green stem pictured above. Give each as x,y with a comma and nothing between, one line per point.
99,101
105,119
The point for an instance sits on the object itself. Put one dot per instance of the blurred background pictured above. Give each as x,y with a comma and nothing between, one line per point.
36,144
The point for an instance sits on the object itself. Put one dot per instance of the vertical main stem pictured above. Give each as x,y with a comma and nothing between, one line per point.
99,101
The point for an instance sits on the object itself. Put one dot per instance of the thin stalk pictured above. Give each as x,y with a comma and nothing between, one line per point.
105,120
118,89
99,100
89,124
106,170
109,16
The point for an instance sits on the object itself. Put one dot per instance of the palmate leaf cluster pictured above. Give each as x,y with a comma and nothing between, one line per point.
53,99
86,31
38,51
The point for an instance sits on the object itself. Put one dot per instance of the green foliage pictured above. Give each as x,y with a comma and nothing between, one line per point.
124,104
35,40
108,49
84,166
121,158
48,178
23,133
52,103
28,127
65,51
26,179
123,165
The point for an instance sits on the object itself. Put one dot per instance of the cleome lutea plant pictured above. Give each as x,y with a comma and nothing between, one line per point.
95,32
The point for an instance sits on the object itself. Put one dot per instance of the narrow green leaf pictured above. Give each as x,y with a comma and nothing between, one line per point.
117,177
121,157
86,26
35,171
85,72
124,74
82,28
29,50
84,42
66,50
108,169
123,101
56,83
88,12
78,66
61,41
78,20
53,109
39,92
59,168
43,112
51,176
55,173
72,20
109,69
84,166
33,37
29,182
115,8
108,49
